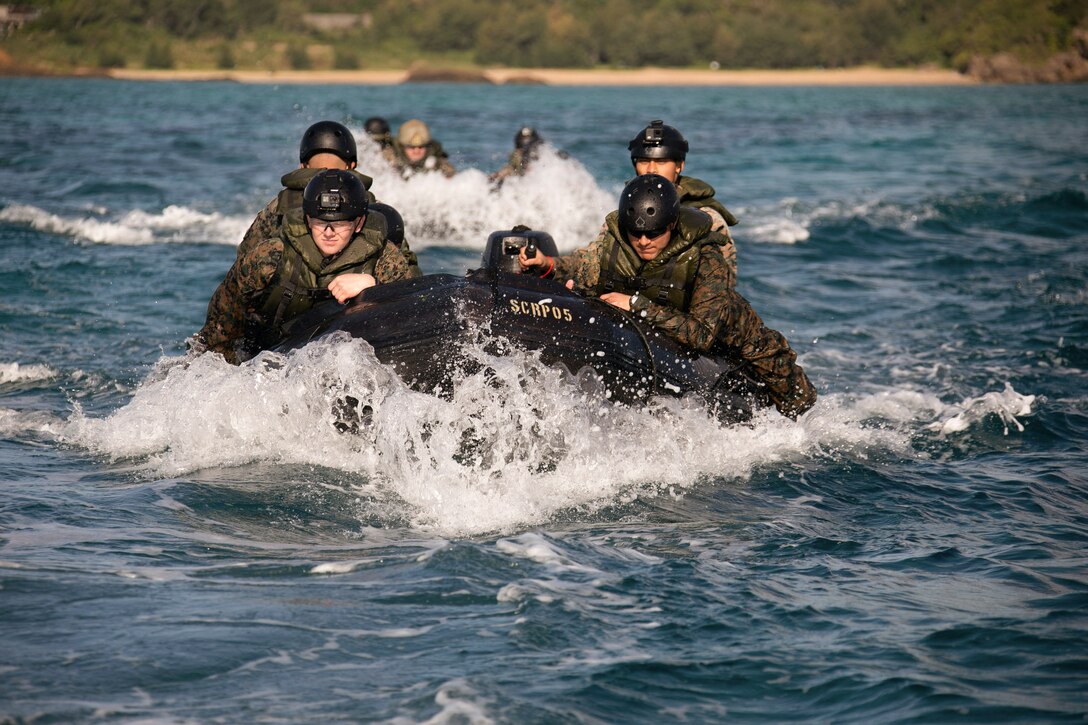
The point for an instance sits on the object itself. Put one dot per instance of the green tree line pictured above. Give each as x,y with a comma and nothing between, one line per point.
272,34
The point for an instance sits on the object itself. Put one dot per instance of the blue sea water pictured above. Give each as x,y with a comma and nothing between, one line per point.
195,544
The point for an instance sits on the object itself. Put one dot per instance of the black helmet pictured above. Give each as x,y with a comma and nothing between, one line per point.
328,137
376,126
658,141
394,222
649,204
335,195
526,138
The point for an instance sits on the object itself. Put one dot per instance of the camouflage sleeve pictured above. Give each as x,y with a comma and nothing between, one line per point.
412,259
582,265
389,153
503,173
264,226
716,218
391,265
514,167
445,166
720,319
724,241
224,329
729,249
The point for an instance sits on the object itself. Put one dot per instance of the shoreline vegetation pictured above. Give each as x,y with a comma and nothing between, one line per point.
553,42
1070,67
859,76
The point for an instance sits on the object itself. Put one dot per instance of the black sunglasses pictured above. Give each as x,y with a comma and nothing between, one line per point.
649,233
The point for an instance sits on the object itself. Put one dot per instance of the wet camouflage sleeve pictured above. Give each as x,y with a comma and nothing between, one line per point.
582,265
445,166
265,226
719,319
510,168
724,243
729,249
236,297
515,166
413,260
391,265
389,153
717,220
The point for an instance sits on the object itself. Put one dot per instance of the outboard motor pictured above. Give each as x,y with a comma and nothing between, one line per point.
501,252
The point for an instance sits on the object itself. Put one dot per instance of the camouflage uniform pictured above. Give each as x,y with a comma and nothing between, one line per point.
436,159
268,221
517,164
239,323
384,140
699,194
716,320
289,204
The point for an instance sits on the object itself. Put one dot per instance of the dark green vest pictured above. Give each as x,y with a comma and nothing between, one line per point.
303,275
289,201
697,193
667,279
289,206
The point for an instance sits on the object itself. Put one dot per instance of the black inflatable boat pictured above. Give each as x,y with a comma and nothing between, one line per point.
419,325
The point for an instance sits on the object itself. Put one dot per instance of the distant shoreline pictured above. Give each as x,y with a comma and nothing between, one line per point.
862,76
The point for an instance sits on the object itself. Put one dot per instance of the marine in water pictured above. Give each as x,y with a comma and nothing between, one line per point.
663,262
377,128
526,149
414,151
326,251
661,149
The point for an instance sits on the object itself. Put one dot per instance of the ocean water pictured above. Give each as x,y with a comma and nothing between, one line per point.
182,541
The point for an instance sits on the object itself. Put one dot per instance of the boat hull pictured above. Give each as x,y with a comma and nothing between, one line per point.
423,326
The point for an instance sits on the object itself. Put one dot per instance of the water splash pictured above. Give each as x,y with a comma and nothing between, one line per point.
18,373
558,195
134,228
515,443
1008,406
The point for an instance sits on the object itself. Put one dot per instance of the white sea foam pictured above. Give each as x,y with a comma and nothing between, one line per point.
459,703
785,223
182,224
337,567
150,573
776,231
885,419
790,220
24,424
173,224
558,195
537,548
516,444
18,373
1008,406
577,585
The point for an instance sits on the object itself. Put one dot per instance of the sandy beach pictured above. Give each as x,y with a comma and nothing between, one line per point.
862,76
